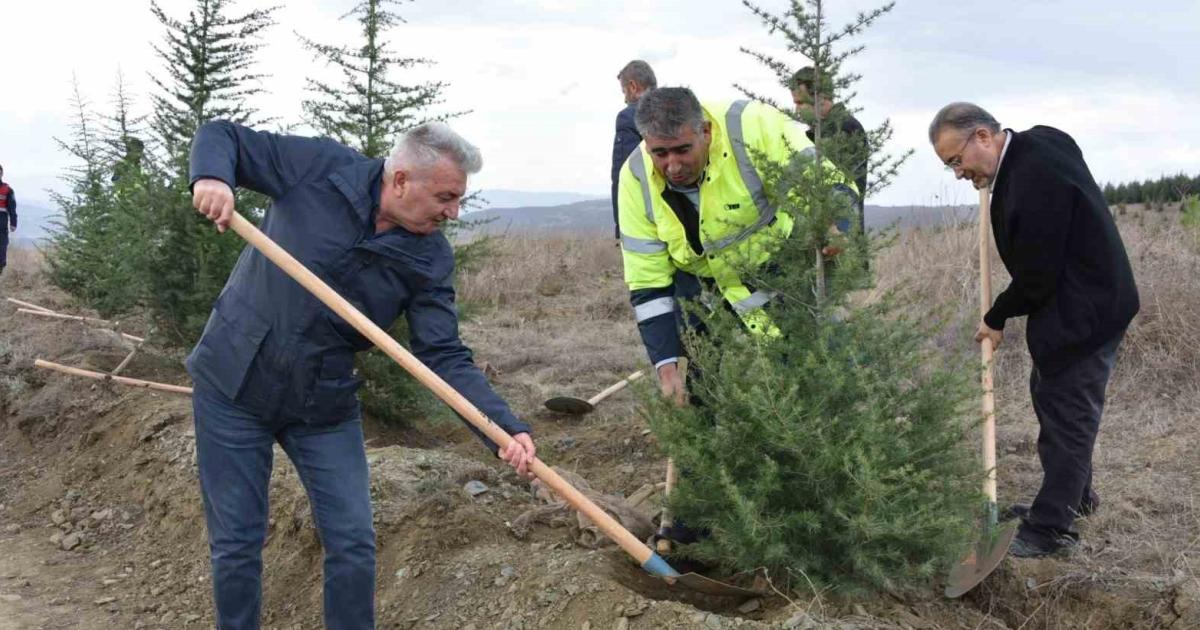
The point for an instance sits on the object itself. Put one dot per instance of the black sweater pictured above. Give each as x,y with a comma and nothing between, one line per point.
1057,239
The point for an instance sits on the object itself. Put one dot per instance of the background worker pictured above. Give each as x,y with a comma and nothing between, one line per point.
8,218
836,121
636,78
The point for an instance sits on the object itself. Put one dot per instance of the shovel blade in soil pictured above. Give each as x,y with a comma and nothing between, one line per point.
709,586
568,405
989,552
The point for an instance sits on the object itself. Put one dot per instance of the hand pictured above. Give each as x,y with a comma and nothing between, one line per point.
670,381
214,199
830,251
520,453
985,332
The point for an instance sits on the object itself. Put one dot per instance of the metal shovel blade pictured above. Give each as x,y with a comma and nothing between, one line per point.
570,406
709,586
989,552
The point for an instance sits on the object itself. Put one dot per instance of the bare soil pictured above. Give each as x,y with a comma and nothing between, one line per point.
114,467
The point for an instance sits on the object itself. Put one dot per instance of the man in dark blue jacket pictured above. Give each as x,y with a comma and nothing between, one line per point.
275,365
8,218
1070,277
636,78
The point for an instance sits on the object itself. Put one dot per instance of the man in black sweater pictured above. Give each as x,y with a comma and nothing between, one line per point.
1070,276
851,152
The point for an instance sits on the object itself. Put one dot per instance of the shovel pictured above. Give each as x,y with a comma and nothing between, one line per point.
578,406
995,538
651,562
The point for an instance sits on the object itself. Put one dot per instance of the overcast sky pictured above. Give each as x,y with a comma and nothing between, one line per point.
539,75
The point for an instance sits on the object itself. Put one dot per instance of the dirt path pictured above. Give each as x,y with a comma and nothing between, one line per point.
43,588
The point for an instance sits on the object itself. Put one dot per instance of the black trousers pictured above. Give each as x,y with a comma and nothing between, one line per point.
1068,404
3,240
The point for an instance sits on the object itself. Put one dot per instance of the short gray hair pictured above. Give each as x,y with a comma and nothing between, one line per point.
662,112
426,143
640,71
964,117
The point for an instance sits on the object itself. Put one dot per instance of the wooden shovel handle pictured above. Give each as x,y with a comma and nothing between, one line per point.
441,388
985,303
664,545
616,387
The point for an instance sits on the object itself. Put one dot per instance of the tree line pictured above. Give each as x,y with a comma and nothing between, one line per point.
1166,189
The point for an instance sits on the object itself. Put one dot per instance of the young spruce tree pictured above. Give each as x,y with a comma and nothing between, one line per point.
207,74
832,455
79,234
367,110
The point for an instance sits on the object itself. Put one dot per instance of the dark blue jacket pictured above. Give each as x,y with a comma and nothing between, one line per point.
270,344
624,143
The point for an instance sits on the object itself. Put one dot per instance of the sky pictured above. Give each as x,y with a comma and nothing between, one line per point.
539,76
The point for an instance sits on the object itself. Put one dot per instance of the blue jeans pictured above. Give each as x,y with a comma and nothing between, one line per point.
234,453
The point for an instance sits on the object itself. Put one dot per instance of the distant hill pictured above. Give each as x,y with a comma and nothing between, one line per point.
503,198
33,221
596,216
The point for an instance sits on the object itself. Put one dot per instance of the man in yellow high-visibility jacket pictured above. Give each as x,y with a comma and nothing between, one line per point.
691,199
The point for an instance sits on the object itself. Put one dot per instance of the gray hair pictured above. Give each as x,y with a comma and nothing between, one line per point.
662,112
640,71
964,117
426,143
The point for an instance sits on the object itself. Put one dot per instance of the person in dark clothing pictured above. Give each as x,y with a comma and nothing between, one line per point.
1070,276
8,218
635,78
836,120
276,365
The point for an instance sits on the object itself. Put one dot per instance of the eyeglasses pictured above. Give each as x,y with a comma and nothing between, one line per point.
955,162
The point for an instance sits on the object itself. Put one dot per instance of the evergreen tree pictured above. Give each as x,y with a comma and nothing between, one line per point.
77,241
370,106
119,286
207,74
367,110
832,454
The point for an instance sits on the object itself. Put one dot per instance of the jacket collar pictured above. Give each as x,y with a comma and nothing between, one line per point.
359,182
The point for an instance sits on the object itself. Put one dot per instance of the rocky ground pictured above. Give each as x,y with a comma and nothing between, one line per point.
101,526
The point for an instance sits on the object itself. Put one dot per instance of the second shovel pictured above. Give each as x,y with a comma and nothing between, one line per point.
578,406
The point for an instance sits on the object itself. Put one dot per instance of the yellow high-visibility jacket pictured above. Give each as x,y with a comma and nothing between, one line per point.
737,223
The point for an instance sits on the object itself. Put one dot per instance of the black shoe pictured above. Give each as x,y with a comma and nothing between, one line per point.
1021,511
680,533
1031,547
1014,512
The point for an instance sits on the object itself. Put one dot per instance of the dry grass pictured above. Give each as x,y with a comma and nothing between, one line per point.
555,317
1146,539
24,264
557,321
